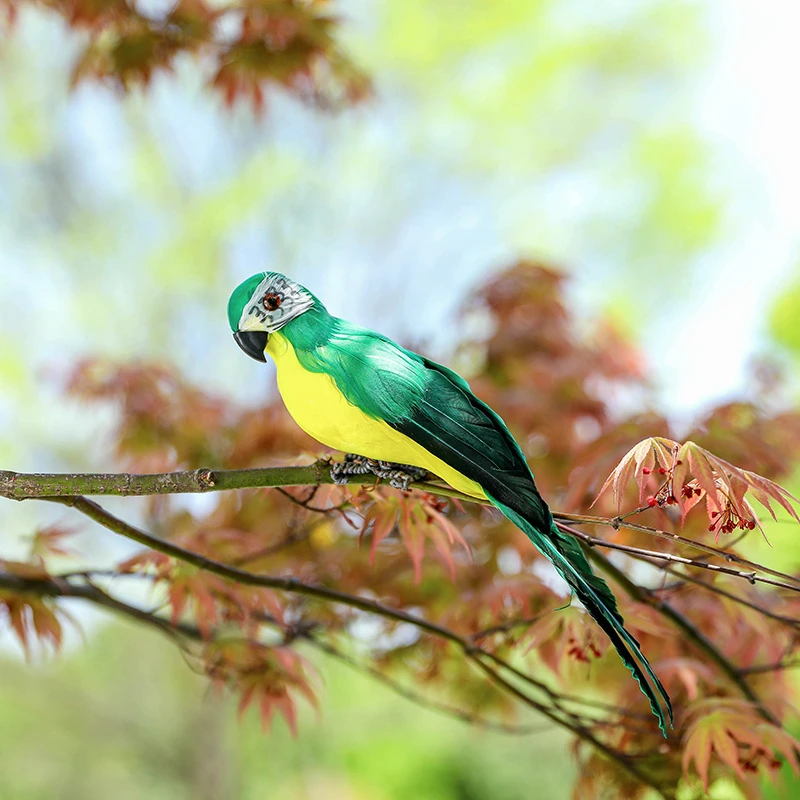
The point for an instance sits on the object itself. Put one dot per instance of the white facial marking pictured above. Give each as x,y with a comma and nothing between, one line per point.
292,301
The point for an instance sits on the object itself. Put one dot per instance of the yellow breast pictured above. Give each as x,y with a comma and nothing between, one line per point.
322,411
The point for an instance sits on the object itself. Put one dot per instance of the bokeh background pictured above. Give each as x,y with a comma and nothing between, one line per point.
647,147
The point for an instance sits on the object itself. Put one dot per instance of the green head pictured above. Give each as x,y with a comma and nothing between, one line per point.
262,305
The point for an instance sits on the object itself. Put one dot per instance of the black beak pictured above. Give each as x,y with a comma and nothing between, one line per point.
253,343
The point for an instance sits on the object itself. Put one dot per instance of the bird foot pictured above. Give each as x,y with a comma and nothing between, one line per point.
398,475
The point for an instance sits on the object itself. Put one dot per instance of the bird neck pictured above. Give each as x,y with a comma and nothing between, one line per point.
311,330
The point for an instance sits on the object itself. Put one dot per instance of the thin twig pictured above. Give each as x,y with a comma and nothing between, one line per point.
684,577
777,666
614,522
416,697
750,577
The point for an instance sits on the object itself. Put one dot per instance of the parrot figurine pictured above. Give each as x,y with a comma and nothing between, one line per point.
402,415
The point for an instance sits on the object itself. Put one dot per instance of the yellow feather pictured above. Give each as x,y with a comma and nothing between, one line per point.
322,411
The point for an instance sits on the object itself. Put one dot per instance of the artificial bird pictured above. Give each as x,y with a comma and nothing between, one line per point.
357,391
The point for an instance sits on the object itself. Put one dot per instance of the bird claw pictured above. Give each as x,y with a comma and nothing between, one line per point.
399,476
351,465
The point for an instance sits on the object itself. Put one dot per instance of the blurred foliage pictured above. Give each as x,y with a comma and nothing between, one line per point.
544,128
253,46
719,646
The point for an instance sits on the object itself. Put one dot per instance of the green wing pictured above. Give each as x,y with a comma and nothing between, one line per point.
457,427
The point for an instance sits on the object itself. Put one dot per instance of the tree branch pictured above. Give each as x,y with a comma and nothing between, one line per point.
684,577
42,485
47,486
558,714
59,587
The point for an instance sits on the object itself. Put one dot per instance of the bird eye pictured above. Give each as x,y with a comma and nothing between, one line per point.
271,301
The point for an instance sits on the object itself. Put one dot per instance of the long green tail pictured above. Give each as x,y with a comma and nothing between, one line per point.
455,426
567,557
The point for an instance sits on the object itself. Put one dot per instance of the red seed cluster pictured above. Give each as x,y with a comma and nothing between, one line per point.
438,503
580,652
729,520
725,522
666,497
757,756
